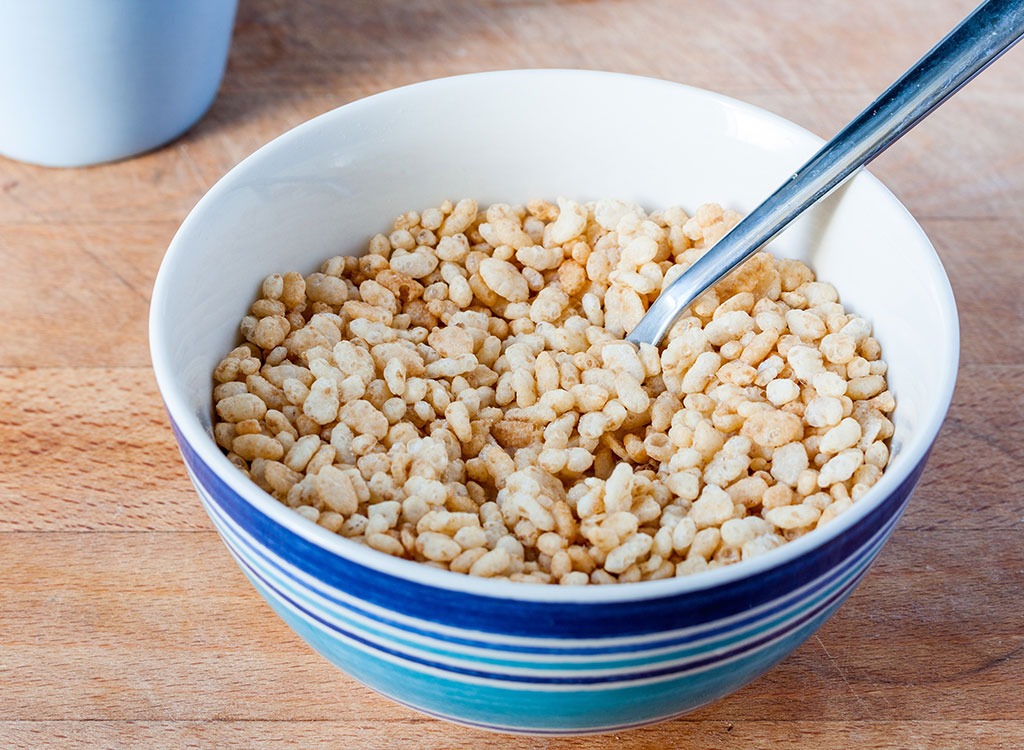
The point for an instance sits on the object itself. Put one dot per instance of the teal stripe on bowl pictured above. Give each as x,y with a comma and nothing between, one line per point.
490,706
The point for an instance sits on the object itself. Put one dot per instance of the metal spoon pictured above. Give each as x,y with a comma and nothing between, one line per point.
989,31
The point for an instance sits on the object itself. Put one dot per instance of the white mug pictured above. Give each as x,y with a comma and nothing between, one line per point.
90,81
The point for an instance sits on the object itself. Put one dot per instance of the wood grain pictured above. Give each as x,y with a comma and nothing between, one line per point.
414,731
123,621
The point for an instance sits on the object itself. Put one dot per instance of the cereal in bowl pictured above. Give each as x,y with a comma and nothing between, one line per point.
461,395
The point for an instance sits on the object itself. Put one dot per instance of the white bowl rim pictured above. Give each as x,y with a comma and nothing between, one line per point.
915,448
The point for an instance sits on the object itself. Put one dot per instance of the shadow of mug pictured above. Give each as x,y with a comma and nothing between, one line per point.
90,81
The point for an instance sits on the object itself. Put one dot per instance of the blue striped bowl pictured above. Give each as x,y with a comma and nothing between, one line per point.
521,657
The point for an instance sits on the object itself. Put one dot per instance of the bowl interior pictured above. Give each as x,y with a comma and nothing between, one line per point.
324,188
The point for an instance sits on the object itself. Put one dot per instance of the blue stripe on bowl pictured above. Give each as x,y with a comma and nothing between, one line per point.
344,615
512,707
543,619
643,670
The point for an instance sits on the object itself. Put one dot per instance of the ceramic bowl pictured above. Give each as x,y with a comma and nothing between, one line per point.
525,657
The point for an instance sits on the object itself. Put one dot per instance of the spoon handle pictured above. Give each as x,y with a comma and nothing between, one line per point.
989,31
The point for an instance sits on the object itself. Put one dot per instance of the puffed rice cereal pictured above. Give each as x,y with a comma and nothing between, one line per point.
462,396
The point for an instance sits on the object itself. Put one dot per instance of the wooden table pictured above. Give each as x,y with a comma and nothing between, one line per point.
123,622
